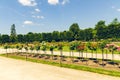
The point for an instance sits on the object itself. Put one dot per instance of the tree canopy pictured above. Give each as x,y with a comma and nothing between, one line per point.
100,31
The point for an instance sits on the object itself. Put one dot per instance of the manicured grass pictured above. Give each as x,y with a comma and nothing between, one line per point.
71,66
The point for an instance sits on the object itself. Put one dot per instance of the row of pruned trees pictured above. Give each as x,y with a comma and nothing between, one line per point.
81,47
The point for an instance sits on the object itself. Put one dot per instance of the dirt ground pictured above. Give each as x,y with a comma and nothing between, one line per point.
107,65
11,69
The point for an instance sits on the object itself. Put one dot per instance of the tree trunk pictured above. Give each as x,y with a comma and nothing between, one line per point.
86,58
112,56
60,58
96,54
52,54
72,56
79,54
6,53
106,55
82,55
102,57
92,55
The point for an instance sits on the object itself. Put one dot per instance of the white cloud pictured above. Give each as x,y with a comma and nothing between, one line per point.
28,22
118,10
38,17
65,1
53,2
27,2
37,10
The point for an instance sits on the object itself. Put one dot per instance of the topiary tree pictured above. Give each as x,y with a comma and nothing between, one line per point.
89,46
106,52
44,48
17,47
51,49
81,48
102,45
31,48
20,48
112,48
94,48
72,48
26,48
6,47
60,47
37,48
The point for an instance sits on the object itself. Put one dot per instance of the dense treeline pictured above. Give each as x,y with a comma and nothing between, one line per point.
100,31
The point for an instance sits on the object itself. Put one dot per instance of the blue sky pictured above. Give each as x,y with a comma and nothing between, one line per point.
49,15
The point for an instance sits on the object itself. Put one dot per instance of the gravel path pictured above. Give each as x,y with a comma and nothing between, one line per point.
11,69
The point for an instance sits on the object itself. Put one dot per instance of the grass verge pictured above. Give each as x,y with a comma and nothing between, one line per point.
71,66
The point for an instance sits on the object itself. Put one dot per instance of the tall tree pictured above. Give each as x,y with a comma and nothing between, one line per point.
13,33
5,38
88,34
69,36
20,38
30,37
102,46
114,29
101,30
74,28
55,36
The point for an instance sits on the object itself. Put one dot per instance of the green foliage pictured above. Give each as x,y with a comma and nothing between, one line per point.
52,47
31,48
102,45
5,39
20,38
60,47
37,47
13,30
17,46
72,47
74,28
112,47
13,34
81,47
100,32
92,46
26,48
20,48
6,46
44,48
55,36
89,45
